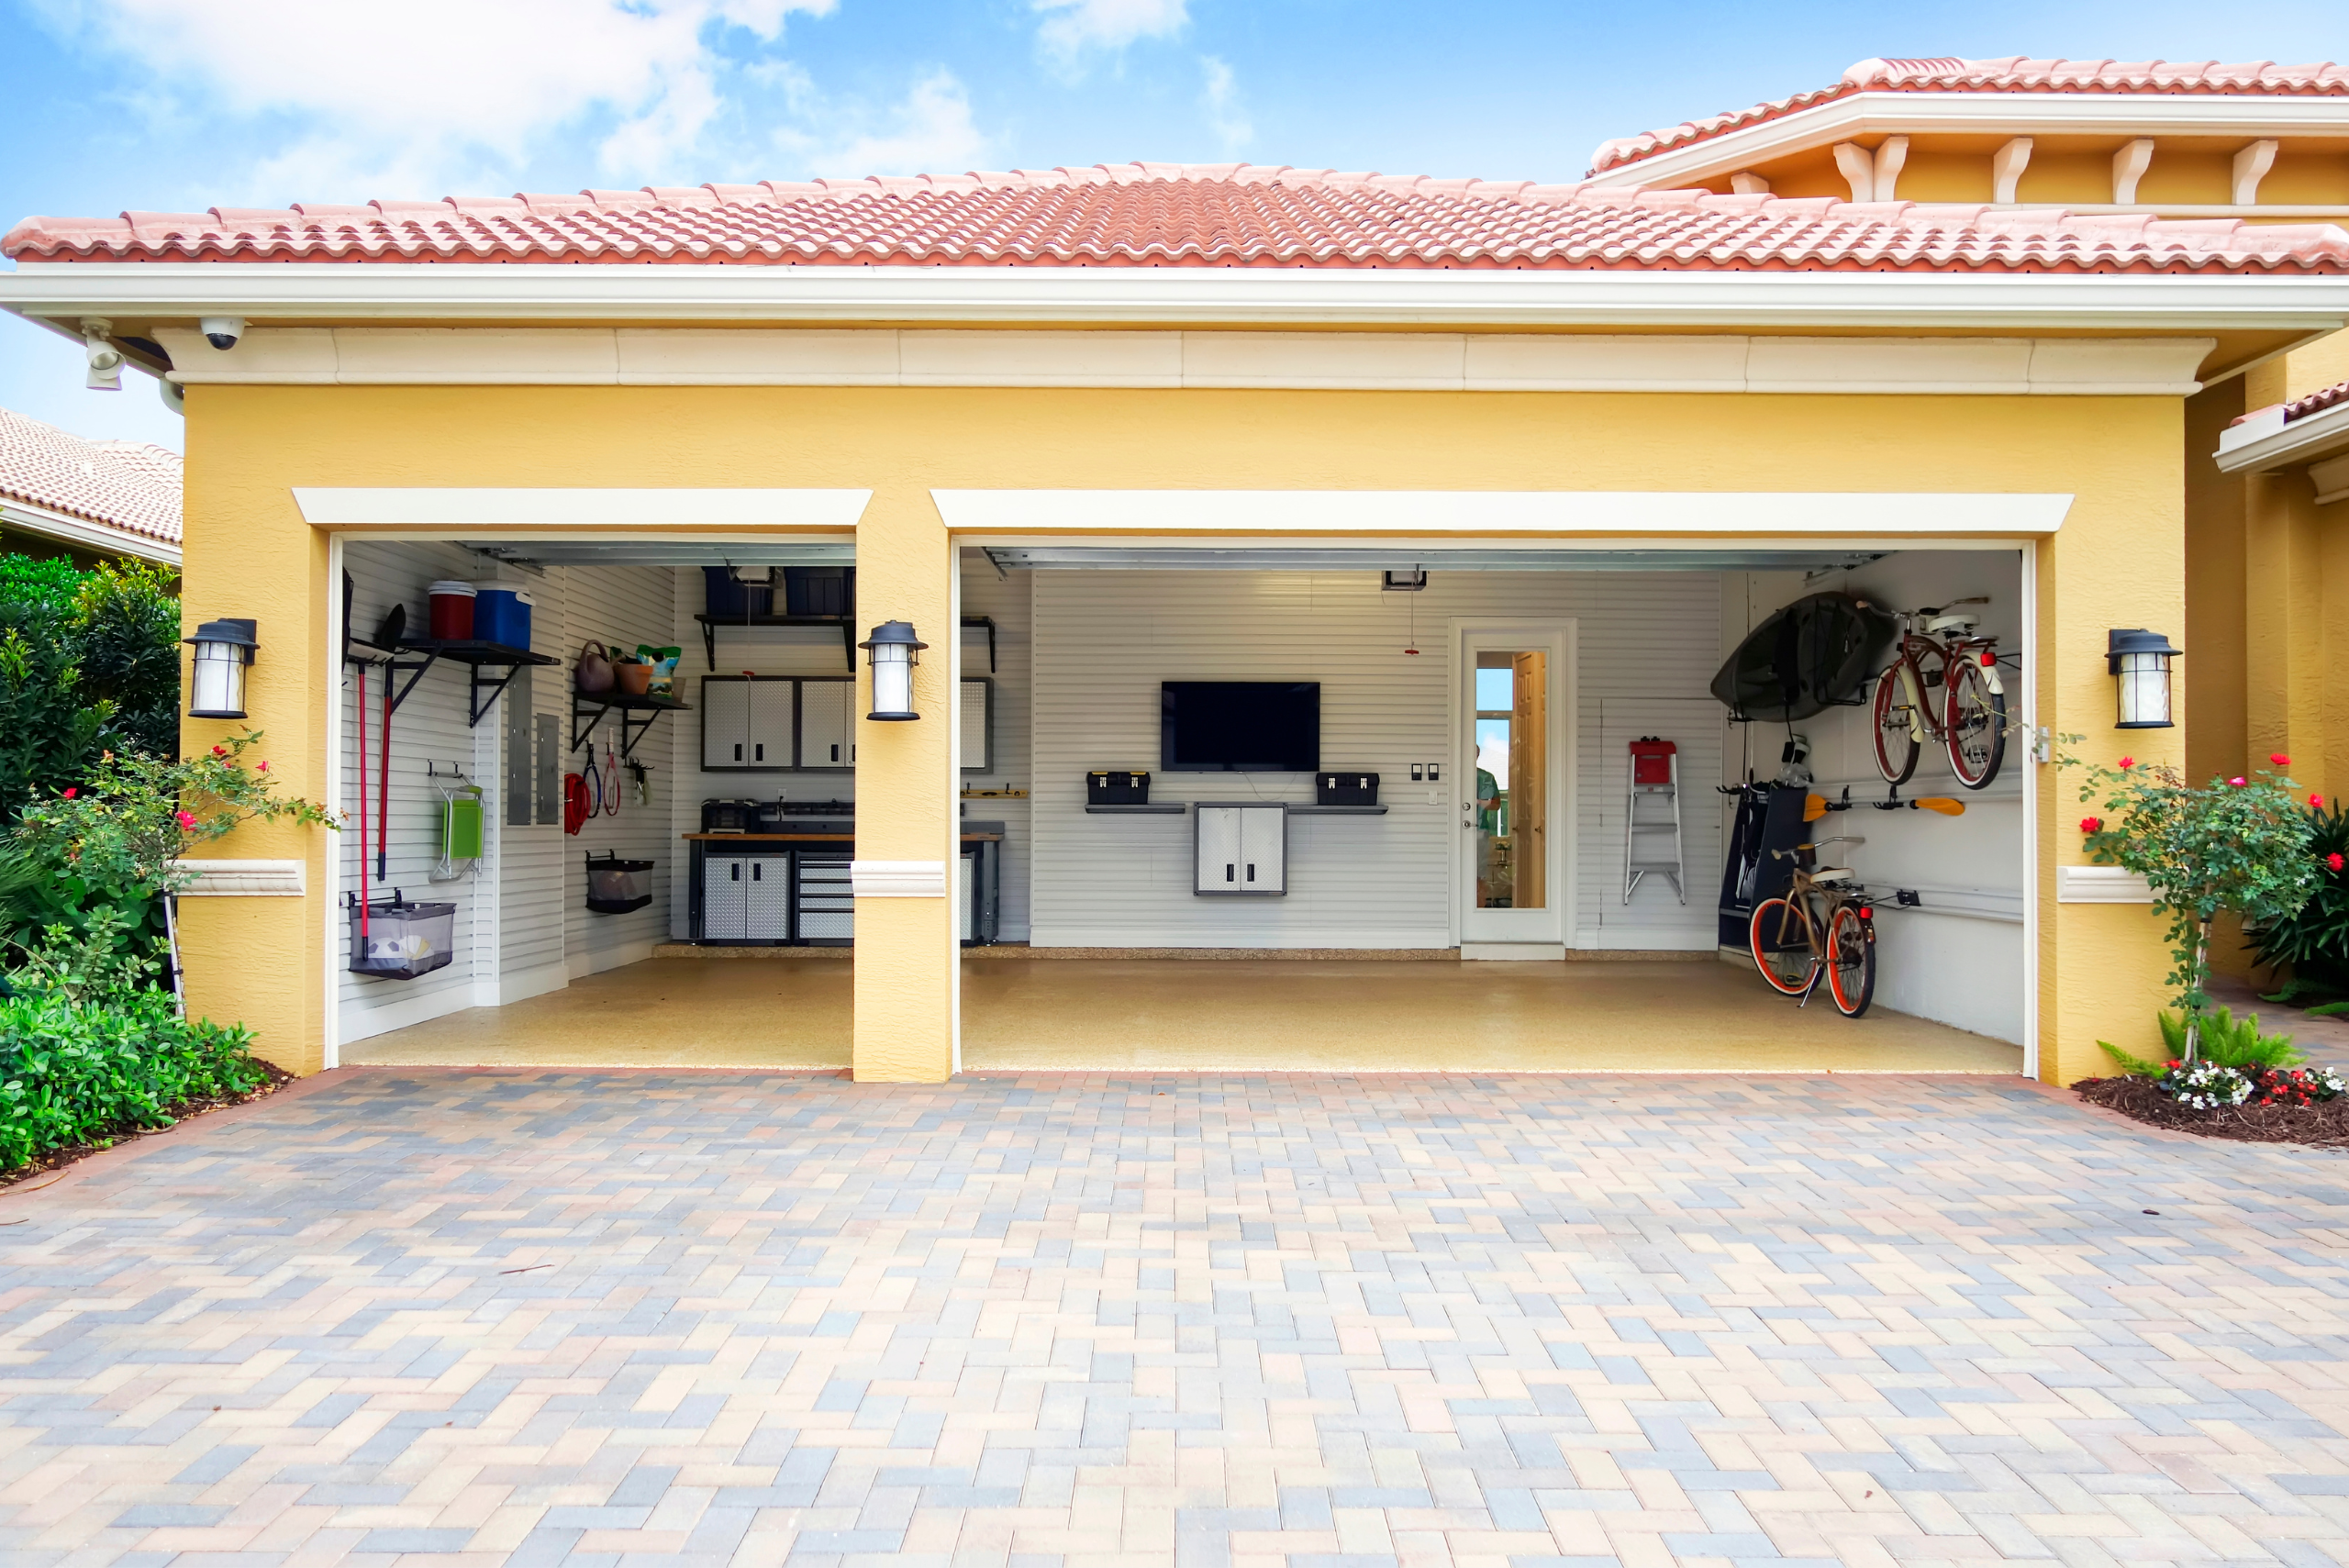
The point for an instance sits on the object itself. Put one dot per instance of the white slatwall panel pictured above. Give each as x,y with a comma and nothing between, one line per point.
430,725
624,606
1951,968
1009,600
1106,640
530,868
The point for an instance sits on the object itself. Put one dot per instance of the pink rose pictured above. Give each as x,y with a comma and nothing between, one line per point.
185,819
2127,763
261,767
2237,783
2091,824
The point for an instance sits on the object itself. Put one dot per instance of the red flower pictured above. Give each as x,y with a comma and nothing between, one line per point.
2236,784
2333,862
2280,760
2091,824
71,792
2316,800
219,751
2128,762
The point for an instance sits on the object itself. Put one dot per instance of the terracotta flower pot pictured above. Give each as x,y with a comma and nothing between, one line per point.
635,678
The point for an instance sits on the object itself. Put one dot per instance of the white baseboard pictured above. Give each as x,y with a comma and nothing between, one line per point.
580,965
1607,937
365,1023
1537,952
523,984
1046,936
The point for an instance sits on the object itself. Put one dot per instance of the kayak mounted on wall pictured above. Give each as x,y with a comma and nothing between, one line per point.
1812,655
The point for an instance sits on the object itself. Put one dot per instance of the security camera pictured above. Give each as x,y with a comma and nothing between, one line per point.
105,359
222,331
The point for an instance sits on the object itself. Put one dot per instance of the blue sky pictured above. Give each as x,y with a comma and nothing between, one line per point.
183,104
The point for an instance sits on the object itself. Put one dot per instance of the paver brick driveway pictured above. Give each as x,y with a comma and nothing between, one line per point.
1317,1322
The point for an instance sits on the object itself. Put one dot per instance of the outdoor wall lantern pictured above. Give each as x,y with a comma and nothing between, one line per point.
893,648
223,649
2139,661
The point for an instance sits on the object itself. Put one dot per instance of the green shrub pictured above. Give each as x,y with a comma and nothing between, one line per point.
86,1074
2314,939
2224,1042
126,645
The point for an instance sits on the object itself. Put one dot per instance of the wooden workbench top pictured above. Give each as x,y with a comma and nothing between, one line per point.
808,838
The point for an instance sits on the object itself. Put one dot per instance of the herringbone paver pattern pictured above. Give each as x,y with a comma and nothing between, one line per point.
1264,1323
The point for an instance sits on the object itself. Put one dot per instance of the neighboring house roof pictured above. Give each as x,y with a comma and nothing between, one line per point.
2015,73
1175,215
112,497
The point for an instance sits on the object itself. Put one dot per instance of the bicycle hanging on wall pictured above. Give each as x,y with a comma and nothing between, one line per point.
1942,685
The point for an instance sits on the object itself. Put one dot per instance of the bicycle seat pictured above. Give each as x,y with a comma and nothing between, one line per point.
1832,873
1961,621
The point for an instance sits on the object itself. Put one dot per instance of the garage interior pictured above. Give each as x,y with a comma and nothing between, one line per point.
1088,947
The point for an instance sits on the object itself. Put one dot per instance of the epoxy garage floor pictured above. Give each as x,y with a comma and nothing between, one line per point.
394,1319
1119,1015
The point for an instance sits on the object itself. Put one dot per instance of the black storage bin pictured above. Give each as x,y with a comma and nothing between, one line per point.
729,815
1117,789
400,941
729,598
1345,789
819,591
615,887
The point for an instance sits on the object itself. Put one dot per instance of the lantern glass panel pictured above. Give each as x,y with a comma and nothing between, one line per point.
893,681
2142,687
220,681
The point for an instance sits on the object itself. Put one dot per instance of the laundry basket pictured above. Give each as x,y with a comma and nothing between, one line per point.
400,941
615,887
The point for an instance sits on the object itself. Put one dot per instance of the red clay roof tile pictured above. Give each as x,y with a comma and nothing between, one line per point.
1170,214
127,486
2316,402
2016,73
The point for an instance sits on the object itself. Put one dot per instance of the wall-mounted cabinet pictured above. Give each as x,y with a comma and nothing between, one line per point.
774,724
1240,850
978,724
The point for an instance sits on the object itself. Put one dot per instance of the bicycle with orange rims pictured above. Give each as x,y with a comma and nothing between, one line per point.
1822,927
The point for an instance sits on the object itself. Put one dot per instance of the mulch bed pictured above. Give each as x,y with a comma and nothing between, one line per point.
2324,1125
57,1159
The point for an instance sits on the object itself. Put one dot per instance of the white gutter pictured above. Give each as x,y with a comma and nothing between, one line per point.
104,539
2264,441
2249,116
1403,296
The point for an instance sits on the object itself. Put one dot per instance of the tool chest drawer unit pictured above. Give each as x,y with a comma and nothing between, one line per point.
792,888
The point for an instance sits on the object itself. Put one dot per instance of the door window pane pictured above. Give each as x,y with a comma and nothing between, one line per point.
1511,736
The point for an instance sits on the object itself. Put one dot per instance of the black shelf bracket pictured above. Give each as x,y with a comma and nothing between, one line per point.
710,623
632,727
988,622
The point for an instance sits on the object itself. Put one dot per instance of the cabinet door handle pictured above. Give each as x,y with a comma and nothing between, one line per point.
759,753
737,871
836,753
1228,873
1252,871
738,751
755,870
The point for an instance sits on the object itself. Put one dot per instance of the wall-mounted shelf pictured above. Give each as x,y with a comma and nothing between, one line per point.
1337,811
637,715
710,624
1174,810
474,655
972,623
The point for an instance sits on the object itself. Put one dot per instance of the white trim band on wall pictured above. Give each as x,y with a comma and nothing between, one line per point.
702,510
1392,362
897,879
245,878
2100,884
1791,514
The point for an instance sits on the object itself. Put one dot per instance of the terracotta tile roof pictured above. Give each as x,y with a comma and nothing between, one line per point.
1219,216
2016,73
2316,402
126,486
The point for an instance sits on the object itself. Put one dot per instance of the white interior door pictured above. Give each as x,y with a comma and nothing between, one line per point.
1512,781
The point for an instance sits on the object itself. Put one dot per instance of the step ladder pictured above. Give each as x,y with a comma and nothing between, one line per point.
1652,817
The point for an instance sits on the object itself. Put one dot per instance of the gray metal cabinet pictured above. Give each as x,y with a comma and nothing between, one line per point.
1240,849
827,898
746,723
767,913
825,731
978,724
726,897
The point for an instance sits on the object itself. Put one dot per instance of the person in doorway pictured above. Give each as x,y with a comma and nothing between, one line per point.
1493,879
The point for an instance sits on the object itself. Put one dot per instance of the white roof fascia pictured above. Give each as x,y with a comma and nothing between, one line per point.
1391,297
105,539
2302,441
2252,116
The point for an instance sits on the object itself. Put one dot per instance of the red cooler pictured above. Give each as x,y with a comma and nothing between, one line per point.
453,611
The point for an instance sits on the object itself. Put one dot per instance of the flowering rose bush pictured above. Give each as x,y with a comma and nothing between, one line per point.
2313,940
2242,847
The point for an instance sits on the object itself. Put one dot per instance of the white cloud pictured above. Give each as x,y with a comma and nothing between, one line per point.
1072,28
929,132
1220,101
409,87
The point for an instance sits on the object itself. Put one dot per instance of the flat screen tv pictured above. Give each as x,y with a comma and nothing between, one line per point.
1239,726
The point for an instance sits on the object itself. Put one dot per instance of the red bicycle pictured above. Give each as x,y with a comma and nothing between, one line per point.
1823,927
1943,683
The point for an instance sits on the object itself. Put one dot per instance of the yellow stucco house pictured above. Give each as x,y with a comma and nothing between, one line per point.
1213,493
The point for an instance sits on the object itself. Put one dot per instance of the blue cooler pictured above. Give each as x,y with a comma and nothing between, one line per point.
502,615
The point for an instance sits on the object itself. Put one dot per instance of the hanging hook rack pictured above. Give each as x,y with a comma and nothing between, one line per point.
433,770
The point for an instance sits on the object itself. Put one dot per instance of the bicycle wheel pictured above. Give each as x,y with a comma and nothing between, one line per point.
1851,961
1780,935
1896,737
1976,725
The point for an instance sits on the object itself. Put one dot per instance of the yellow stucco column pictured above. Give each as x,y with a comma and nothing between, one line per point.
249,554
2120,560
908,948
